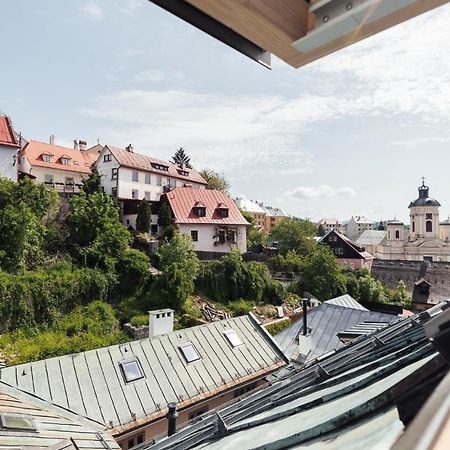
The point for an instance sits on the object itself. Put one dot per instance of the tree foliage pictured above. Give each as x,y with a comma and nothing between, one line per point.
215,181
181,159
165,216
321,230
294,234
144,217
93,183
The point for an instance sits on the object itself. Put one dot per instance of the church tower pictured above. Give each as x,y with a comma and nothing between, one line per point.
424,216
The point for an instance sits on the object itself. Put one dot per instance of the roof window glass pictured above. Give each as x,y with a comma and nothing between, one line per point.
189,352
233,338
17,422
131,370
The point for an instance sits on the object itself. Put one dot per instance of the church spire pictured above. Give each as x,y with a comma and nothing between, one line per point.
423,190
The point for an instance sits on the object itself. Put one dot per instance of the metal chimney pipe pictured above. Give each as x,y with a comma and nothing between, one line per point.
172,418
305,318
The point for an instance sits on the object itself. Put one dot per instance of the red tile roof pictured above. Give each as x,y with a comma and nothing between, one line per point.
80,161
143,162
7,135
183,200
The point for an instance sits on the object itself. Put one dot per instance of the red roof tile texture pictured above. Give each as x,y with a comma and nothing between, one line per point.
143,162
7,135
79,161
183,201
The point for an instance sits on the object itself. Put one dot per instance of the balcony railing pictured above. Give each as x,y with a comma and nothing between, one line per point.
64,188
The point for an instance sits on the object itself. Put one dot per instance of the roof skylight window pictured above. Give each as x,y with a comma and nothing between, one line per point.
233,338
17,422
131,370
189,352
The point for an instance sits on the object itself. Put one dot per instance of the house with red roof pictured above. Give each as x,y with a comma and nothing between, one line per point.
9,146
132,177
210,218
61,168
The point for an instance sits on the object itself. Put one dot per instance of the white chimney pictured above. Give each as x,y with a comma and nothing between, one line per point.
160,322
83,145
75,145
52,139
129,148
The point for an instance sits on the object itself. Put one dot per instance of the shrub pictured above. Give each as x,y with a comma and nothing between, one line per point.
139,321
277,327
240,307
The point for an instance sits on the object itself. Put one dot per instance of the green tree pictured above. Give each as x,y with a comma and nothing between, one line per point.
294,234
93,183
321,274
144,217
400,296
165,216
321,230
133,269
215,181
371,290
181,159
255,237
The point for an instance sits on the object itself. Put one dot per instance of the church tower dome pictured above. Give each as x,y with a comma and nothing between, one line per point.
424,215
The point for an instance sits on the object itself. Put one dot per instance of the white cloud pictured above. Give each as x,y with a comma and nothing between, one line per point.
156,75
93,11
323,191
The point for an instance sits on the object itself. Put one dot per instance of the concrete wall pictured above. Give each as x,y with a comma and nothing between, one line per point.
206,233
7,167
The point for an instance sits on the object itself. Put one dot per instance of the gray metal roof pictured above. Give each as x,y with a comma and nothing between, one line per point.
52,427
346,301
353,398
325,322
92,384
371,237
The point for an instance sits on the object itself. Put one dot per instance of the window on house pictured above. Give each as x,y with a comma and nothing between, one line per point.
130,443
223,212
65,161
20,422
76,163
131,370
114,192
221,236
338,251
135,175
414,227
140,439
49,179
230,236
147,195
47,158
428,226
107,157
148,179
428,216
200,211
114,173
69,181
154,229
194,235
159,180
135,194
233,338
189,352
397,234
333,238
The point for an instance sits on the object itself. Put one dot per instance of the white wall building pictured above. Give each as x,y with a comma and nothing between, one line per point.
331,223
9,146
212,219
132,177
357,224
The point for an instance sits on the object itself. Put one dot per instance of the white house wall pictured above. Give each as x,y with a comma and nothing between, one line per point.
59,176
7,167
206,233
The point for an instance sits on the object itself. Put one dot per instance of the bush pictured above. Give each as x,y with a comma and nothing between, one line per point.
277,327
140,321
133,270
240,307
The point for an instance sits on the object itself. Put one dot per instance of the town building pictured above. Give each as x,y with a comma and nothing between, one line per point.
125,388
132,177
254,210
9,147
426,239
371,239
58,167
348,253
211,218
329,224
356,225
273,217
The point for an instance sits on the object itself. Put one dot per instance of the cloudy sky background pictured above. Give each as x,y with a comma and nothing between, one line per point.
350,134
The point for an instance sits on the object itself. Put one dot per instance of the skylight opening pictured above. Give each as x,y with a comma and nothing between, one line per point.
189,352
233,338
131,370
20,422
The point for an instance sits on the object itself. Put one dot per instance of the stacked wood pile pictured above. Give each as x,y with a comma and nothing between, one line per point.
211,314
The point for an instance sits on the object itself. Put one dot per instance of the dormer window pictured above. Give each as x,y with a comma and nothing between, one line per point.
160,167
47,157
200,211
65,160
223,212
182,172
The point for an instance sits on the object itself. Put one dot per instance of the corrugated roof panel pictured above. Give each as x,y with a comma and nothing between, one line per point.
347,301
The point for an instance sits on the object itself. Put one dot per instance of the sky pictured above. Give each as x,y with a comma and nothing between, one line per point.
349,134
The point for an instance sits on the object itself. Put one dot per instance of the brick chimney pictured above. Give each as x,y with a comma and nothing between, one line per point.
129,148
82,145
160,322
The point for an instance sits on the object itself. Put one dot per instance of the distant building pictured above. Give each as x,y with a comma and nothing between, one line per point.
124,389
9,147
371,239
357,224
58,167
212,219
273,217
131,177
254,210
348,253
329,224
